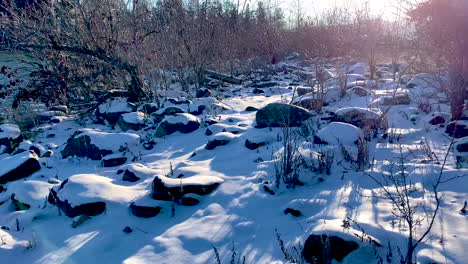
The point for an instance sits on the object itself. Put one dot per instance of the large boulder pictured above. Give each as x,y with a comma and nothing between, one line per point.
281,115
132,121
360,117
457,129
95,144
321,249
19,166
10,137
168,189
114,109
337,133
183,123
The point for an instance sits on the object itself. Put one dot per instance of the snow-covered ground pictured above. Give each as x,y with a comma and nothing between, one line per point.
239,212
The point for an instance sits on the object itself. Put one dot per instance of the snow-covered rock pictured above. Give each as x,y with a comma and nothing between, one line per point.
358,68
95,144
10,137
360,117
208,104
29,194
309,102
336,248
114,109
219,139
132,121
439,118
89,194
359,91
337,133
183,123
18,166
457,129
169,189
279,115
461,152
166,111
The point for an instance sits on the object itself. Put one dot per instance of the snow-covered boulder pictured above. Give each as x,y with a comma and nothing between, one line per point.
336,248
18,166
220,127
358,68
48,116
359,91
95,144
132,121
89,194
145,211
113,160
303,90
457,129
279,115
29,194
203,92
114,109
148,108
28,145
353,77
136,171
461,152
255,139
360,117
337,133
219,139
421,80
10,137
309,102
169,189
73,199
183,123
166,111
397,99
208,104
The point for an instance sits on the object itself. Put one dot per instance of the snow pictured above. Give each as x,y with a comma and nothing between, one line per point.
240,211
134,117
118,105
9,131
340,133
111,141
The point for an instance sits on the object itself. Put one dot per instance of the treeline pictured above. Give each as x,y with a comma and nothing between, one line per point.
84,47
